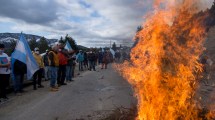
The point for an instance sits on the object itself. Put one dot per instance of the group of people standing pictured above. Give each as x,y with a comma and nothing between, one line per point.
90,59
56,65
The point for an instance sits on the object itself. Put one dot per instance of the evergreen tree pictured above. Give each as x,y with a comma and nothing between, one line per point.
10,49
114,46
71,42
33,43
139,28
43,44
61,38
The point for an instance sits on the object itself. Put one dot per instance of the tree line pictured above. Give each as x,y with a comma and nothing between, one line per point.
42,44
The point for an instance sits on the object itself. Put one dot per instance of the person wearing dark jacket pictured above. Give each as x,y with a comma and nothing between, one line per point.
19,70
100,57
69,67
91,59
85,60
107,58
46,66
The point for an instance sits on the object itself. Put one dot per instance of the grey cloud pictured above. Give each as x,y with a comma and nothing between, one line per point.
117,20
30,11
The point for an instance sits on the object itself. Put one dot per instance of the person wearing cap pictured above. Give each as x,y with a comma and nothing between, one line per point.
37,77
46,65
4,72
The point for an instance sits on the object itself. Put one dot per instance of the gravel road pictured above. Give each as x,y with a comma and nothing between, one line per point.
92,95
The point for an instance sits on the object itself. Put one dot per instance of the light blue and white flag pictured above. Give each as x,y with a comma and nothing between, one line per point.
68,46
103,50
23,53
112,52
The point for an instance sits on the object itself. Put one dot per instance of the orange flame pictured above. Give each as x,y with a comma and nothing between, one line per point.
164,64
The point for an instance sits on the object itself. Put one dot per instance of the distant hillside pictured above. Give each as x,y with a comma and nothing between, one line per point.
7,37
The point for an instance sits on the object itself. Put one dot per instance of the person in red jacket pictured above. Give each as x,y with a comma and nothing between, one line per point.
63,58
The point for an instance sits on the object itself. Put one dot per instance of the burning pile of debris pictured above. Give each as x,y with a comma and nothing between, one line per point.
164,69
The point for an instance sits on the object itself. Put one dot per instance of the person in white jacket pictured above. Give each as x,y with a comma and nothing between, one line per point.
4,72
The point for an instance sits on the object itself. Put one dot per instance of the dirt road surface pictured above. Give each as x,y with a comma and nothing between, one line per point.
92,95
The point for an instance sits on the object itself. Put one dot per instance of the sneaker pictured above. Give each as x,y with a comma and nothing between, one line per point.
53,89
56,87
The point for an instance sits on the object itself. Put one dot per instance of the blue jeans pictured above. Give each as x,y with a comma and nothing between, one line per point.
80,65
53,75
18,82
92,65
69,71
46,74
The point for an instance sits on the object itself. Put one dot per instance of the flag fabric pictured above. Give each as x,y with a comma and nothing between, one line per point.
23,53
103,50
68,46
112,52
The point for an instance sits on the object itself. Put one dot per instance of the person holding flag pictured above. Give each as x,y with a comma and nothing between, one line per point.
22,62
68,46
69,66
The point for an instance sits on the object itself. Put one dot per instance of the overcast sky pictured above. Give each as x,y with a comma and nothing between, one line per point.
89,22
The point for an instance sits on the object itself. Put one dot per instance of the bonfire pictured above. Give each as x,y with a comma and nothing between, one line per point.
164,69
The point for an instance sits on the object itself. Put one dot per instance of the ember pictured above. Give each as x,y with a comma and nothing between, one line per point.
164,64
